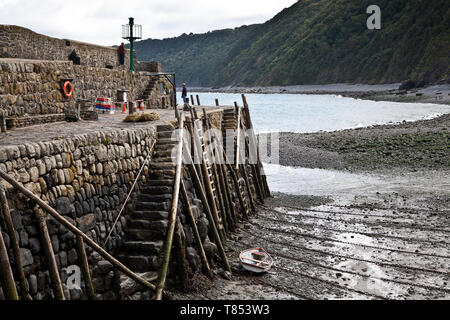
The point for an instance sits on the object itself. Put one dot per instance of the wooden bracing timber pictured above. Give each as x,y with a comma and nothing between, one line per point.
24,287
49,254
6,275
173,211
208,178
83,260
254,142
193,224
214,230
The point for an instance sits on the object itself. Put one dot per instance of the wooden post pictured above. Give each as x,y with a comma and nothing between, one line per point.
217,102
234,176
76,231
224,188
220,194
2,122
262,178
212,202
197,238
247,185
198,100
82,258
24,288
49,254
238,138
173,213
200,191
192,100
197,148
6,275
180,251
210,192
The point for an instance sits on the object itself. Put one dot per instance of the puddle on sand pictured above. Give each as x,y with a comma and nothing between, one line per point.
346,186
365,283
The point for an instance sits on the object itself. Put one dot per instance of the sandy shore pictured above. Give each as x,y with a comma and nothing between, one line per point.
409,146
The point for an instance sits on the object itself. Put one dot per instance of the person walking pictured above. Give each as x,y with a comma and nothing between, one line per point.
121,54
184,92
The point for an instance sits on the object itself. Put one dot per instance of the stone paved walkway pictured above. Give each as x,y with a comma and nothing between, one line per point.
58,130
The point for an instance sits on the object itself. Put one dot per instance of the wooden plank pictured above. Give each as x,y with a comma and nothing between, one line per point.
198,241
215,233
83,260
24,287
6,275
49,254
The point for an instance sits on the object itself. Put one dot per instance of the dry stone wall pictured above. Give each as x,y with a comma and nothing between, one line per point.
86,179
32,87
19,42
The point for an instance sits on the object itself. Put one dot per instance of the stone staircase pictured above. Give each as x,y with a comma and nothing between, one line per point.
147,225
148,89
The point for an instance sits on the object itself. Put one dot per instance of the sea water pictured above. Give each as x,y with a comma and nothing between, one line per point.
312,113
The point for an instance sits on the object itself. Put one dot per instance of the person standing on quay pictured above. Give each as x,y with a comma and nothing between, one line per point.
184,92
121,54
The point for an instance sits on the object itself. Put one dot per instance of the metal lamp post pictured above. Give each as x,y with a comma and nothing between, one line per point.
131,32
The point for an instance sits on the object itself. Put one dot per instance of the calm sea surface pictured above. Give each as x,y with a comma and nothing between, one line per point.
310,113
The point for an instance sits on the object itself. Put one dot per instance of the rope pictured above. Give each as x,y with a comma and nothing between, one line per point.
129,194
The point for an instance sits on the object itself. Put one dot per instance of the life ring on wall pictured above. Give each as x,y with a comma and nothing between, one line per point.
67,89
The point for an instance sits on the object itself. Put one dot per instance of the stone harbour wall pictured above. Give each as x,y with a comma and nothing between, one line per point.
33,87
19,42
86,179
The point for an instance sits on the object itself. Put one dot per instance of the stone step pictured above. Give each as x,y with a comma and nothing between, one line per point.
164,159
165,147
149,225
162,174
146,247
154,197
157,189
150,215
145,235
139,263
162,153
167,141
161,182
165,134
157,206
163,165
164,127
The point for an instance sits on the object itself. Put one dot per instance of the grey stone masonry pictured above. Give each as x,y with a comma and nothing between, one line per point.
86,178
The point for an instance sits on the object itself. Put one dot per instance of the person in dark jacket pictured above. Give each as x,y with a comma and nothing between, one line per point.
74,57
121,54
184,92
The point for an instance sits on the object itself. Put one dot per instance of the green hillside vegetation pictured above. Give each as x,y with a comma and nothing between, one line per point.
316,42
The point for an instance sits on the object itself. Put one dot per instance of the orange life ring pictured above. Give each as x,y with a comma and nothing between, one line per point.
67,93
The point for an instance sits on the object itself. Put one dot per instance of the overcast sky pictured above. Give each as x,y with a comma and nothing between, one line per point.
99,21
